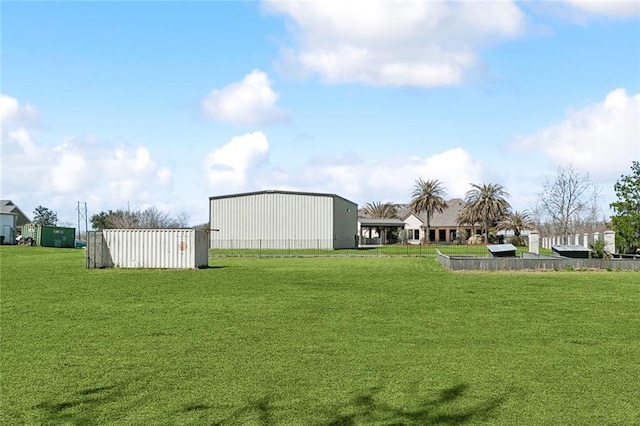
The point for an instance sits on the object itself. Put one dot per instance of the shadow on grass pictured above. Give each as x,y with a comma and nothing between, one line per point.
450,407
367,408
88,400
261,408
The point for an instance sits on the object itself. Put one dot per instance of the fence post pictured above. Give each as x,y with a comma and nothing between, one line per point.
260,247
534,242
610,242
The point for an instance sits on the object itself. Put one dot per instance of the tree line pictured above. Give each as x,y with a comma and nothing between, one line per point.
567,204
150,218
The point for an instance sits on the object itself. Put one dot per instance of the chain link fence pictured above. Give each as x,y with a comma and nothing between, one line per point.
320,247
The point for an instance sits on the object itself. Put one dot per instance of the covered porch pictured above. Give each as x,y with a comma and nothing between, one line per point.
377,231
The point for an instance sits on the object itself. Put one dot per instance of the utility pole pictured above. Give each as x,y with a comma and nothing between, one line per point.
82,217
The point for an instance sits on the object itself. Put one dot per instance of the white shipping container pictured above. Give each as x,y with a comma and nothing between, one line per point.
151,248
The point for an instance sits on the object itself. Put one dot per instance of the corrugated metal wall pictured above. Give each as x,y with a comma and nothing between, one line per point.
278,220
150,248
345,223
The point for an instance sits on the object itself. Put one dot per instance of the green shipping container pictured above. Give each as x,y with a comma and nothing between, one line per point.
50,236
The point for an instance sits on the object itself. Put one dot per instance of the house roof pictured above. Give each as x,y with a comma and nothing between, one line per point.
446,219
7,206
366,221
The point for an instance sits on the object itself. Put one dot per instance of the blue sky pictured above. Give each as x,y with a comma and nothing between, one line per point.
164,104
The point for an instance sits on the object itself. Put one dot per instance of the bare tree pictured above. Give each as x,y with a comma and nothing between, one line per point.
154,218
182,220
151,218
122,219
564,199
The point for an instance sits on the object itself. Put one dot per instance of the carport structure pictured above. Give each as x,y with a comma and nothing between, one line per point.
381,227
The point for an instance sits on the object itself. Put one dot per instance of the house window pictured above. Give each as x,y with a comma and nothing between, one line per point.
442,234
413,234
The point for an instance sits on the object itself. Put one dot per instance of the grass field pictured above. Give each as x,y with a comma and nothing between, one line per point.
319,341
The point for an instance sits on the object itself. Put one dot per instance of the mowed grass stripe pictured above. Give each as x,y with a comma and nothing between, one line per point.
314,341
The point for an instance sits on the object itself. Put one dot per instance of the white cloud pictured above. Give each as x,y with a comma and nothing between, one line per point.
608,8
395,43
69,170
393,179
59,175
602,138
232,166
76,168
250,102
12,114
241,165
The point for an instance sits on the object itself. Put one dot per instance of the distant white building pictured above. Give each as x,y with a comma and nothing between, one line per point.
8,227
11,219
443,228
283,219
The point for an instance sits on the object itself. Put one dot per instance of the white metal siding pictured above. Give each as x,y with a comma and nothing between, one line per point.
274,220
156,248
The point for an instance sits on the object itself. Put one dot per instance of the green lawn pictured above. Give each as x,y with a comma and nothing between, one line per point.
320,341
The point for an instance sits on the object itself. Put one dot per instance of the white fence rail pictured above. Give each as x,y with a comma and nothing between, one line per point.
585,240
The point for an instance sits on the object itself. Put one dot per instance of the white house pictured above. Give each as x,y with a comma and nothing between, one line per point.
443,227
11,219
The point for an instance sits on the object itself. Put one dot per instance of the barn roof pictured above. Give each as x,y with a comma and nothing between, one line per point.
7,206
276,191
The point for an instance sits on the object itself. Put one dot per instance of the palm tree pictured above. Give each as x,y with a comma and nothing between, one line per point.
516,222
428,197
468,217
487,201
379,210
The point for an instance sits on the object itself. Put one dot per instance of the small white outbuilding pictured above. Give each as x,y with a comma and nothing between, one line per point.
283,219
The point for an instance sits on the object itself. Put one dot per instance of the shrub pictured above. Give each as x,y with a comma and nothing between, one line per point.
403,236
517,240
461,237
597,250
